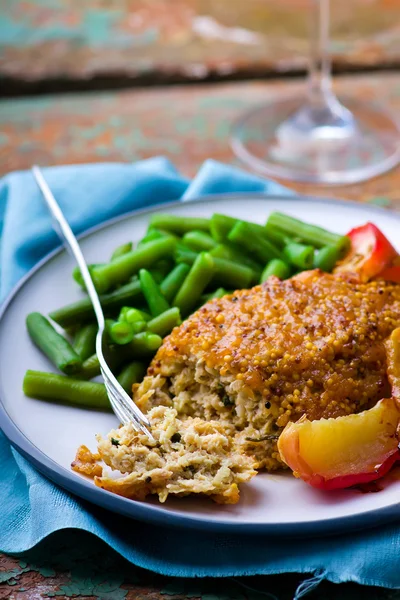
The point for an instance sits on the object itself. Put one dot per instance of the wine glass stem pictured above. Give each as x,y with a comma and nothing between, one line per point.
319,91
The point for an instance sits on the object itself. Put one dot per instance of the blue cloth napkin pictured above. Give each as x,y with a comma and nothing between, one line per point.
33,508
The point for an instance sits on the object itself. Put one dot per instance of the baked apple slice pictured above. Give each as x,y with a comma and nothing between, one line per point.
343,452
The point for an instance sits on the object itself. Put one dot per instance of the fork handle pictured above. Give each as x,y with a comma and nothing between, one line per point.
63,229
65,232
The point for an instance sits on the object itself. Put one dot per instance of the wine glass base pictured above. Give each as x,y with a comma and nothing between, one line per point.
268,140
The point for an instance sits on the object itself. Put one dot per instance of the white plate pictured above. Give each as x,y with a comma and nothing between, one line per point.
49,434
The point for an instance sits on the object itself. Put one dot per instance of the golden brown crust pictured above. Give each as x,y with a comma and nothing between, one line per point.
313,343
86,462
392,346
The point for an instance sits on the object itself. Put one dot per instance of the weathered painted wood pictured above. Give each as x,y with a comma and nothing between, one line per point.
186,123
187,39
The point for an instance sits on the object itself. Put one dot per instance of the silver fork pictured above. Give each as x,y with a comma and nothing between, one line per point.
122,405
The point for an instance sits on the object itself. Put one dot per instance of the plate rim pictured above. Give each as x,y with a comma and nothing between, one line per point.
152,513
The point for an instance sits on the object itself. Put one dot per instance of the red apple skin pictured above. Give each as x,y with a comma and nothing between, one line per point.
380,447
339,483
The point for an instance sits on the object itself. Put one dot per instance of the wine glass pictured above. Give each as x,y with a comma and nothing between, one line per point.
318,139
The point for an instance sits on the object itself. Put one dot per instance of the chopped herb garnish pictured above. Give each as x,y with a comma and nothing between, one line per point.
190,468
265,438
176,438
226,401
115,442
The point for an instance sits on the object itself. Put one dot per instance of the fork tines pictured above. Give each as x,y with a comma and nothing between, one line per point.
124,407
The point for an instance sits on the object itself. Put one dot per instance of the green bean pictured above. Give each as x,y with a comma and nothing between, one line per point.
222,225
299,255
52,344
119,271
156,234
121,250
309,234
277,237
123,312
156,275
233,275
217,294
199,241
161,269
77,275
326,258
276,267
145,315
85,341
72,330
185,255
195,283
133,315
253,242
90,367
132,373
165,322
139,326
179,225
49,386
153,234
107,327
151,291
170,285
144,344
121,332
82,311
235,253
228,273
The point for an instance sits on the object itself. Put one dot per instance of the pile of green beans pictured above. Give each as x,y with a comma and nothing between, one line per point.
146,290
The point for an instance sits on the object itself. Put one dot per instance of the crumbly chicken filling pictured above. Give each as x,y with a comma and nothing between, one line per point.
197,392
187,457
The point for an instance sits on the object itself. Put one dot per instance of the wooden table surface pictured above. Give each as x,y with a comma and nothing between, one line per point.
47,44
188,124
